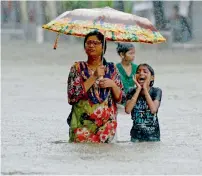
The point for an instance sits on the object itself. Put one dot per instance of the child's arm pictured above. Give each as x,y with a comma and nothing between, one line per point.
154,101
131,102
153,105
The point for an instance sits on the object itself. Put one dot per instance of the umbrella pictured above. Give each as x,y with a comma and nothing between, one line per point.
115,25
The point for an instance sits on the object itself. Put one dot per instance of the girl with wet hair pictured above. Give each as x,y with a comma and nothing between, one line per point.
126,67
143,103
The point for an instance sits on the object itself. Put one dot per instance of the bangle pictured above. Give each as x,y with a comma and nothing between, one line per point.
147,94
133,98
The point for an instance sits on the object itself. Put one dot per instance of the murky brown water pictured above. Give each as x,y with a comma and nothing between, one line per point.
34,111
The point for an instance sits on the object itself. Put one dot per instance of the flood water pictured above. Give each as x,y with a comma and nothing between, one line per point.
34,132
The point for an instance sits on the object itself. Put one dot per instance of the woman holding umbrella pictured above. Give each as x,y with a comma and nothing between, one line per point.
94,110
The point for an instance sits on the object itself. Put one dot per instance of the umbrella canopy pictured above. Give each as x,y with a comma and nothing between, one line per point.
114,24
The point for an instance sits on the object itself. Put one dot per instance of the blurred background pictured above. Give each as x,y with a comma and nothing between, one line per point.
178,21
34,107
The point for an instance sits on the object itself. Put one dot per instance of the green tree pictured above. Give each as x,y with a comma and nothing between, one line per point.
128,6
100,4
70,5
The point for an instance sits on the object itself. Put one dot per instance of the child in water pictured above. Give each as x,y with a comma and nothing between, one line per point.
126,67
143,103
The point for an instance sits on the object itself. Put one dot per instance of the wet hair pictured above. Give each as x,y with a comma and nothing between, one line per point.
124,47
100,37
150,69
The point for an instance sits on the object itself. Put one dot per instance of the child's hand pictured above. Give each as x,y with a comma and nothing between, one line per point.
136,83
146,84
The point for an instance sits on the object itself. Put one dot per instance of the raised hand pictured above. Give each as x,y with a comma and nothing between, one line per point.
100,71
136,83
146,84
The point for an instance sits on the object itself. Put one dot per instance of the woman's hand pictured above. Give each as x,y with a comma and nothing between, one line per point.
100,71
106,82
136,83
109,83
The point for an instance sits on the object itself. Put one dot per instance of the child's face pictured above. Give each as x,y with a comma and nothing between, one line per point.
143,74
129,55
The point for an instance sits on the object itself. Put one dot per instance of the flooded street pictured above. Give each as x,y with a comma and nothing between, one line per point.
34,132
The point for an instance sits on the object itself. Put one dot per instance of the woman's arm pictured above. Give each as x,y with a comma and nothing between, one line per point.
75,85
89,82
116,91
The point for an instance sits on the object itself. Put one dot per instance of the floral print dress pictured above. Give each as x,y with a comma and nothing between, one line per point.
93,115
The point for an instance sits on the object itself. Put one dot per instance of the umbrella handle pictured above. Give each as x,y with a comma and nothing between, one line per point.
101,77
56,41
103,48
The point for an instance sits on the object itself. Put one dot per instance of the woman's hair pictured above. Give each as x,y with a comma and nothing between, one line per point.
100,37
124,47
150,69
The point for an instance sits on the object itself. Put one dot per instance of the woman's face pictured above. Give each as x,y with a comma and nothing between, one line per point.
93,46
129,55
143,74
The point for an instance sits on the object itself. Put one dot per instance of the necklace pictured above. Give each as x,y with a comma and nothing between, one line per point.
91,69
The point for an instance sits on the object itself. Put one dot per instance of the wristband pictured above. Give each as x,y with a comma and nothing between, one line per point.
133,98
